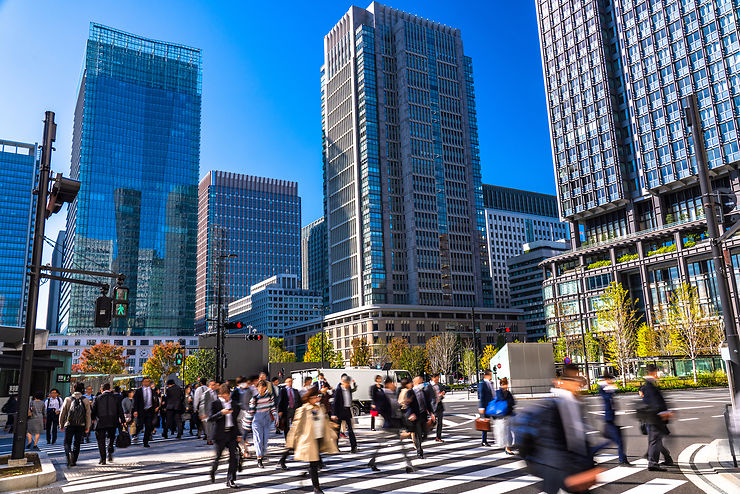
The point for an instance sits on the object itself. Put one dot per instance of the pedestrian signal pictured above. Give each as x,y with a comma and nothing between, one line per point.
234,325
178,358
120,301
103,308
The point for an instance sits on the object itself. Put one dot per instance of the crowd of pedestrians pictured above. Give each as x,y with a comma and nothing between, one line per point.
551,436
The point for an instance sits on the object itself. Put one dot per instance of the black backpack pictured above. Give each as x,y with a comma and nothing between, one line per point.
77,413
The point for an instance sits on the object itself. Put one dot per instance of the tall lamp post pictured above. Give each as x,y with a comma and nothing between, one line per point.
220,319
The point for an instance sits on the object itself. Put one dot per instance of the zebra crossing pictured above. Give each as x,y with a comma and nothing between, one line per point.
458,465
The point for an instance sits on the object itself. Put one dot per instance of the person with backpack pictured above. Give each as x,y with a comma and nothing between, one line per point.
551,438
53,404
501,419
75,419
108,414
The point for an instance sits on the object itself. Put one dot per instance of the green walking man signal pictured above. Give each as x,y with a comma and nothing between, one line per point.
120,301
178,358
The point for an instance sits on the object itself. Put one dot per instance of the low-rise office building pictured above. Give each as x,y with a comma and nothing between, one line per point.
275,304
417,324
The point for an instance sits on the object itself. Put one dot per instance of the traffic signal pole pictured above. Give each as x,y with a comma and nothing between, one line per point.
691,109
21,421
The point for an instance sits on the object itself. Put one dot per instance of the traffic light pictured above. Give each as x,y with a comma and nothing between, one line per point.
120,301
503,329
179,358
103,309
254,337
62,190
727,202
234,325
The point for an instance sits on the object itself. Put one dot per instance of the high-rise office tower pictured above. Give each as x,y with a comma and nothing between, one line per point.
136,150
515,217
314,268
615,75
19,168
402,186
55,286
249,229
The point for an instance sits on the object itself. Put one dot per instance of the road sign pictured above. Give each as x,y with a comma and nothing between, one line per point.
63,378
567,360
499,365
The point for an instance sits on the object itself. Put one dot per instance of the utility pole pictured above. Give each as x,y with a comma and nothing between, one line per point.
219,325
693,121
19,437
476,344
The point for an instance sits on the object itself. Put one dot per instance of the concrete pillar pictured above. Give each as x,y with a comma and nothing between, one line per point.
658,210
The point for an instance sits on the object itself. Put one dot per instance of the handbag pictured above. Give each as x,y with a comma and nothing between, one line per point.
483,424
132,428
497,408
123,440
580,482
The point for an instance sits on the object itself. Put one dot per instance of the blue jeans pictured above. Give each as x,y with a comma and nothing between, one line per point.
261,425
614,433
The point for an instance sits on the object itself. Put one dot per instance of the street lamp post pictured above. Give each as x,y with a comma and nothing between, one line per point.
220,337
691,109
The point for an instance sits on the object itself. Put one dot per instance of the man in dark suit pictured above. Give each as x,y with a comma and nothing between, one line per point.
561,449
175,400
655,414
225,432
437,394
108,413
146,404
342,411
289,402
419,411
386,403
607,389
486,392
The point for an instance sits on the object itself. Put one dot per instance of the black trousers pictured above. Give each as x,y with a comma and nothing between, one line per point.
346,417
418,427
286,420
315,466
228,442
656,433
101,435
439,414
386,436
73,433
174,421
52,424
146,421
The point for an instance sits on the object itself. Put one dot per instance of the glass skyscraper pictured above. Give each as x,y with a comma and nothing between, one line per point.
256,219
19,167
314,268
136,150
403,200
615,76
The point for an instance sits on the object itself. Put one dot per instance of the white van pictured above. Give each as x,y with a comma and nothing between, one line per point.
364,379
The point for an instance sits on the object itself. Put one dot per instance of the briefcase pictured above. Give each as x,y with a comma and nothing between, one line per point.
483,424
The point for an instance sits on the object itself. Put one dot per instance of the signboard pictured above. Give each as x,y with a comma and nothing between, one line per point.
63,378
13,388
724,352
566,360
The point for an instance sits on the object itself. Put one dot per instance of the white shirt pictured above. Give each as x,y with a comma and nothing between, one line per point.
229,416
347,395
53,403
147,393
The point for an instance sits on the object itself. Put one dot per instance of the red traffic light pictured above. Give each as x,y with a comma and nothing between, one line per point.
239,325
254,337
508,330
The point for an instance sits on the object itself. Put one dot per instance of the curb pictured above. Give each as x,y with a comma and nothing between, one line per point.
47,475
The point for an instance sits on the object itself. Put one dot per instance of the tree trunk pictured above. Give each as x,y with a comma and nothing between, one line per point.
693,366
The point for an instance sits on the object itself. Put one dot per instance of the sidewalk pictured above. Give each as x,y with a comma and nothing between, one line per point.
710,467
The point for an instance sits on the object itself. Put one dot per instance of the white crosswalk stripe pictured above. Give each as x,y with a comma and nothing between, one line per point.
459,465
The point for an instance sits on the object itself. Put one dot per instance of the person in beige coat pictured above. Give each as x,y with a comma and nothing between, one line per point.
311,434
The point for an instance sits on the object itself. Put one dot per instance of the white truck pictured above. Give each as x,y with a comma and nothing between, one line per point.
364,378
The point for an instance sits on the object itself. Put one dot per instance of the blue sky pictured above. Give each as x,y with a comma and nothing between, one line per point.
261,61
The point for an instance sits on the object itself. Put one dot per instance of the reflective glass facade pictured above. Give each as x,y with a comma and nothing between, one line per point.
256,219
19,168
314,268
403,197
136,150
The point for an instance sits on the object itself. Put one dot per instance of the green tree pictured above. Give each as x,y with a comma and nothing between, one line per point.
360,355
278,352
394,352
467,364
201,363
314,351
593,346
488,353
414,359
647,341
692,329
162,362
617,319
103,358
